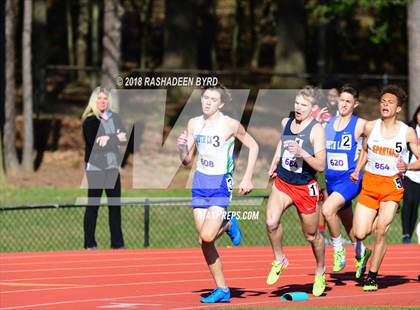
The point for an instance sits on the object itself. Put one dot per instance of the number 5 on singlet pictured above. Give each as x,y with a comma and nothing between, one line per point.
398,183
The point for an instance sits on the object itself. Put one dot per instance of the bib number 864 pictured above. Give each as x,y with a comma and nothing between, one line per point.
381,166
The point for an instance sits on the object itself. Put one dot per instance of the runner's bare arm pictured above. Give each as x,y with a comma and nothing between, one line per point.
317,161
246,184
415,148
277,154
360,126
186,144
361,162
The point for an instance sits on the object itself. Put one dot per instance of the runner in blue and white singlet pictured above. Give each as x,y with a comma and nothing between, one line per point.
342,153
212,183
342,135
212,135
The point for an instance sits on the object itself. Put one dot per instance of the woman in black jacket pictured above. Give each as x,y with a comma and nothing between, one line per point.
411,199
103,132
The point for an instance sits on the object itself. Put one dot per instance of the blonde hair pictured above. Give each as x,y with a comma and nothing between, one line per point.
309,92
91,108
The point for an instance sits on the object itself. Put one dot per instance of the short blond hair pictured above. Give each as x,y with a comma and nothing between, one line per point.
91,108
309,92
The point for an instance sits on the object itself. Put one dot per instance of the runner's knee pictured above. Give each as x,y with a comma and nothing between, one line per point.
207,237
380,230
327,212
310,237
360,234
272,224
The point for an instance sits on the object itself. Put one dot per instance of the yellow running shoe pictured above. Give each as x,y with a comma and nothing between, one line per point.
339,260
361,263
276,269
319,285
370,284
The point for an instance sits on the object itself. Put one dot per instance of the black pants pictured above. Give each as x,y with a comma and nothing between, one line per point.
410,206
98,181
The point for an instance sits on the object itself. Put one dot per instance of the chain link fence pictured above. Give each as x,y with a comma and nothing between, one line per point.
148,223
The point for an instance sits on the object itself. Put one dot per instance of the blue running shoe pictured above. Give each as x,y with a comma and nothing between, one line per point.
217,295
234,232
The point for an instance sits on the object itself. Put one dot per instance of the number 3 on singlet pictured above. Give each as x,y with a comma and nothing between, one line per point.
313,189
229,183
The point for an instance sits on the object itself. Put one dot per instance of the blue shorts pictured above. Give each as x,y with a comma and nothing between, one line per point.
346,188
211,190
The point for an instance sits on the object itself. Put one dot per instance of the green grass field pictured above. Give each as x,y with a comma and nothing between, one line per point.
170,225
49,195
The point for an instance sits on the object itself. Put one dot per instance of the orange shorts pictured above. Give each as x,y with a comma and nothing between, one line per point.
378,188
305,197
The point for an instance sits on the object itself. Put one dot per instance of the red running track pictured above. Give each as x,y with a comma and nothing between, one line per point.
177,278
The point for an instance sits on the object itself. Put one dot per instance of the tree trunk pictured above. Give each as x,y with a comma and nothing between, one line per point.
255,35
95,43
70,44
40,59
28,129
145,10
1,162
289,50
111,41
10,154
2,85
207,32
180,39
239,15
144,61
83,29
413,25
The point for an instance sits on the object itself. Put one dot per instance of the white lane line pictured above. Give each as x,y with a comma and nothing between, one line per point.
261,249
84,287
205,271
226,260
186,293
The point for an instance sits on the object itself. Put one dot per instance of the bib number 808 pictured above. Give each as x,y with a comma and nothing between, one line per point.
207,163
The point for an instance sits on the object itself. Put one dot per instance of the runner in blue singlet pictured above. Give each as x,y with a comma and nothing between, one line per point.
342,135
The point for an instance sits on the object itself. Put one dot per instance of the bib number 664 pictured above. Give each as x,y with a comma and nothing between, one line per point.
291,162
